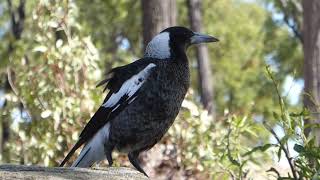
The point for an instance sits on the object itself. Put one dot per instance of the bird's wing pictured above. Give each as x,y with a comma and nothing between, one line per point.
123,83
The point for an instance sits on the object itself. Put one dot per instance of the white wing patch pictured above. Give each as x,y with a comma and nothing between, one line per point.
129,87
159,47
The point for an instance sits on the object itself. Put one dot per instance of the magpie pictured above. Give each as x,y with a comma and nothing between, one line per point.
142,102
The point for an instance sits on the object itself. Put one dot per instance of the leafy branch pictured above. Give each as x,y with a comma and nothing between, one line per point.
282,144
303,166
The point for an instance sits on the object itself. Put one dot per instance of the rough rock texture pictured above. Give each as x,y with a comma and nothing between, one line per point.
18,172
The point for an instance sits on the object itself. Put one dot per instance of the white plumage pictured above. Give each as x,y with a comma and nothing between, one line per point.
129,87
94,150
159,47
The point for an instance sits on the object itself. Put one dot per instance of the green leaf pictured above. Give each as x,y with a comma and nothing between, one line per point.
260,148
298,148
279,154
285,139
276,116
312,125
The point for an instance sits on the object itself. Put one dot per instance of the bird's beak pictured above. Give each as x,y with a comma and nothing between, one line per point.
198,38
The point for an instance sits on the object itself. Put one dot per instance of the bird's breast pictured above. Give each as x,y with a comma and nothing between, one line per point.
167,88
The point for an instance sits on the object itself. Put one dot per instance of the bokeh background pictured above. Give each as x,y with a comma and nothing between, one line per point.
251,112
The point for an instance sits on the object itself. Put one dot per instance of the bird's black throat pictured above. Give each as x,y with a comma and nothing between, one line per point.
178,53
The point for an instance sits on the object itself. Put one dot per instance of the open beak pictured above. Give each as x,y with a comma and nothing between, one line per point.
198,38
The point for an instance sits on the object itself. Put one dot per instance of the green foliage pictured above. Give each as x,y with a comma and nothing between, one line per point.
306,164
242,54
55,71
111,23
221,149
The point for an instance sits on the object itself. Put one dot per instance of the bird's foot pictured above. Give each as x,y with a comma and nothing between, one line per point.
133,158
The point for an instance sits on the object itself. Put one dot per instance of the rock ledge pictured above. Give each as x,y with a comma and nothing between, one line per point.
19,172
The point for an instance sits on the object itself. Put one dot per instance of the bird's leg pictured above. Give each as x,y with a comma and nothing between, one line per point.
109,158
108,151
133,158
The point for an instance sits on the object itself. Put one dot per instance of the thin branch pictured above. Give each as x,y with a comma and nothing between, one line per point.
15,91
294,27
281,103
286,152
275,171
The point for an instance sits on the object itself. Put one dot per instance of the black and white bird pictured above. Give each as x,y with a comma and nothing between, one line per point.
143,100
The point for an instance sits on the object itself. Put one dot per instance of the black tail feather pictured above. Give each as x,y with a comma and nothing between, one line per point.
74,148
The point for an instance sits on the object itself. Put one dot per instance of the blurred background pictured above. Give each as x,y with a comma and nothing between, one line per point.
251,112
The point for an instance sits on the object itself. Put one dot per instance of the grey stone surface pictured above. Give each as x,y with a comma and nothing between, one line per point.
19,172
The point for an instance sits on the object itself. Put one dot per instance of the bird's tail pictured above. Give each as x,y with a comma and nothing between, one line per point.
74,148
85,158
93,151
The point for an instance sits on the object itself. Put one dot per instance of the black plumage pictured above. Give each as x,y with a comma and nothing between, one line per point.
143,100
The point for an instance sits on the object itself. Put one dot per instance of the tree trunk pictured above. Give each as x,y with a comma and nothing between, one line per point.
311,47
204,68
156,16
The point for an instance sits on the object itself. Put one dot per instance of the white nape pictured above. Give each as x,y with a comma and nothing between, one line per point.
159,47
93,151
129,87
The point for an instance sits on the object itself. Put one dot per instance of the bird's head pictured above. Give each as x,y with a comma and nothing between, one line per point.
174,40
